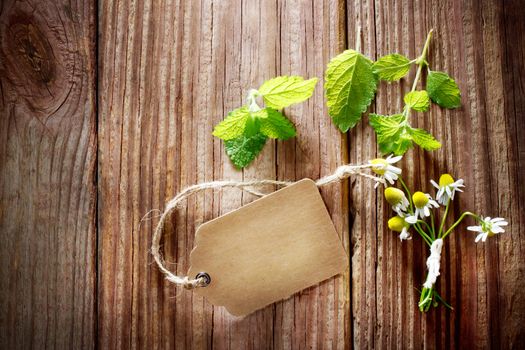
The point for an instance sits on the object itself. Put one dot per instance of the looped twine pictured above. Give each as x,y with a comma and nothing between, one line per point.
433,263
340,174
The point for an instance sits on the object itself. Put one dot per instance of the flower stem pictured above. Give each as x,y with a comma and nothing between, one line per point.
467,213
422,60
422,233
443,219
427,225
432,230
409,195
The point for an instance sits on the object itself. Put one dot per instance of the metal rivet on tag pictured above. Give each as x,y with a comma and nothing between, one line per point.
207,278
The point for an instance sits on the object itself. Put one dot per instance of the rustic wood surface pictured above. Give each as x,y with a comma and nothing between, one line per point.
99,126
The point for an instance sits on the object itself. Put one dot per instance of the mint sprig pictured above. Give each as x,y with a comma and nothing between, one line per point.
351,83
245,130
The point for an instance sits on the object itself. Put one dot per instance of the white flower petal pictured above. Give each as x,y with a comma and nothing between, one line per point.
498,220
478,237
475,228
411,219
497,229
392,160
394,169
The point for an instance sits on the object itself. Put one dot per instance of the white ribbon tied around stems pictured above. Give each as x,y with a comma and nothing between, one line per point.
433,263
341,173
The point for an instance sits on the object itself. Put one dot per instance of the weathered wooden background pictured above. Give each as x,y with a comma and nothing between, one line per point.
106,112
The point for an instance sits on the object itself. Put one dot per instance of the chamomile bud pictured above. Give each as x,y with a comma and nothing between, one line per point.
398,224
423,203
397,199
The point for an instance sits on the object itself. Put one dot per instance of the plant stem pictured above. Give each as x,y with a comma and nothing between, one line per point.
422,60
422,233
443,219
467,213
409,195
427,225
433,231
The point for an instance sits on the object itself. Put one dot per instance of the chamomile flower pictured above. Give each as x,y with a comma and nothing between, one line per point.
447,187
385,169
397,199
488,228
423,202
398,224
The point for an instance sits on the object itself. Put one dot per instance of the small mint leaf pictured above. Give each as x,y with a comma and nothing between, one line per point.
243,150
350,85
392,67
424,139
233,125
392,134
275,125
417,100
386,127
253,125
403,142
283,91
443,90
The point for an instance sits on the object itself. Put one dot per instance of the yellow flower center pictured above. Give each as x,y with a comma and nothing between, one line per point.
487,226
396,223
445,180
420,199
393,195
381,169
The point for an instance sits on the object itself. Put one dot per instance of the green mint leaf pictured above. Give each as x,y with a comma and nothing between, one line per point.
243,150
443,90
275,125
392,133
402,144
253,125
386,127
417,100
424,139
281,92
392,67
350,85
233,125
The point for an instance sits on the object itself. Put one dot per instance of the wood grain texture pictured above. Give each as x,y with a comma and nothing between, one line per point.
169,71
482,143
47,174
76,271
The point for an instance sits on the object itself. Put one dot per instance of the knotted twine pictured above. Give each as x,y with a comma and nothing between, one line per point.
340,174
433,263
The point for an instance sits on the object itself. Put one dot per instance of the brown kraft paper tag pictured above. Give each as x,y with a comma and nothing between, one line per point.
268,250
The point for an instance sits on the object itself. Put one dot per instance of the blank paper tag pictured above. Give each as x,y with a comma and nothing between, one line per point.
268,250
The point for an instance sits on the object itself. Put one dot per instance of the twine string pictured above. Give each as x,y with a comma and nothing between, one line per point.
433,263
340,174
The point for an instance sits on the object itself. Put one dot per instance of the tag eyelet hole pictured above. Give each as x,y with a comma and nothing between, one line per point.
205,276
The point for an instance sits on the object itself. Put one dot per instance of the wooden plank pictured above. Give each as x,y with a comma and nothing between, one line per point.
47,174
482,143
169,71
